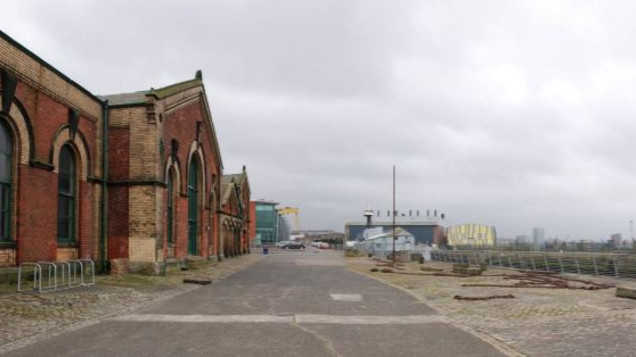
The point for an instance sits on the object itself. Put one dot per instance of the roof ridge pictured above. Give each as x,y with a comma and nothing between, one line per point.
174,88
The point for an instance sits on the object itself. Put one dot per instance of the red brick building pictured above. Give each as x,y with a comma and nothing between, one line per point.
235,214
163,177
51,175
134,177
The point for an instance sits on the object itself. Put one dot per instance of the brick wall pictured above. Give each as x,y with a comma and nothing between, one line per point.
37,217
118,158
143,154
179,123
142,228
117,222
136,219
7,257
118,145
46,96
86,223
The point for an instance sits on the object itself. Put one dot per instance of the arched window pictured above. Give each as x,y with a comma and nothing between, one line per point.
193,206
66,197
170,207
6,149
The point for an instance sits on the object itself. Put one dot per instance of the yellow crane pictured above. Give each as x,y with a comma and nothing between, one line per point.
291,210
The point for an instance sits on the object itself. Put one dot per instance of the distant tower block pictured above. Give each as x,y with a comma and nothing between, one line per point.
368,214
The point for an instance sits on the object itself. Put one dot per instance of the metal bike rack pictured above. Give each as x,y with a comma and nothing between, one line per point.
75,276
65,276
87,271
51,282
37,277
58,275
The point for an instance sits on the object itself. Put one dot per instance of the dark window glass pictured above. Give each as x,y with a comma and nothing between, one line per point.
66,197
170,207
5,211
6,155
193,207
5,168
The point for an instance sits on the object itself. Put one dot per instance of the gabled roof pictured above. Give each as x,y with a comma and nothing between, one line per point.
125,98
229,182
139,97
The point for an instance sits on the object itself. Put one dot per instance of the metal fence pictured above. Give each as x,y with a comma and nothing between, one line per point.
386,254
619,265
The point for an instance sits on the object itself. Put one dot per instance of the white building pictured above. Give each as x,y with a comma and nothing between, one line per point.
384,241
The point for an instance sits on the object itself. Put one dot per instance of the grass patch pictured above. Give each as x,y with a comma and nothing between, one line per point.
127,280
6,287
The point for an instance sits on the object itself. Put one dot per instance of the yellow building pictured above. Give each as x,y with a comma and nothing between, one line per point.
471,234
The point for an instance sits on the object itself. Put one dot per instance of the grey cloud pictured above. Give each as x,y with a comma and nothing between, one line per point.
511,113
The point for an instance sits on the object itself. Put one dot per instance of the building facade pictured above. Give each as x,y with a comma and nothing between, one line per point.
384,242
472,235
426,228
283,229
267,220
133,177
51,163
235,215
163,177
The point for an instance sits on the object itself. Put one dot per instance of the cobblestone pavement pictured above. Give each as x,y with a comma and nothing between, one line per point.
537,322
28,317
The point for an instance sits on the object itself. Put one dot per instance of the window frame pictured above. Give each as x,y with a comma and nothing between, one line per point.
70,196
6,202
193,206
170,207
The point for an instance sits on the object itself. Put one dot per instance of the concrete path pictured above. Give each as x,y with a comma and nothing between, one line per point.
296,304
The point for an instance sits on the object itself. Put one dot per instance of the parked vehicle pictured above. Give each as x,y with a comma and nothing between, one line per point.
283,243
295,245
320,245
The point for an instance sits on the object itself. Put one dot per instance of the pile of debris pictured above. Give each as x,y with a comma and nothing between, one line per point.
467,269
545,280
490,297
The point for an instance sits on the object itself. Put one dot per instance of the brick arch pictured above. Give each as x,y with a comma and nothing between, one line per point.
173,163
78,144
21,132
18,157
197,151
196,154
172,168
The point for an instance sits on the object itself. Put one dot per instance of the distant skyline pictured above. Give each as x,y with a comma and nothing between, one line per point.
509,113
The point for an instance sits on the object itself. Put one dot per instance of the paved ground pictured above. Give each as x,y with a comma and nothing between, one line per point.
537,322
296,304
29,317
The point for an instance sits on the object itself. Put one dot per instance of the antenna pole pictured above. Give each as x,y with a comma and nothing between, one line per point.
394,238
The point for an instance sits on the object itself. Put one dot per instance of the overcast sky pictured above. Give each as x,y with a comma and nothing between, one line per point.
516,114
